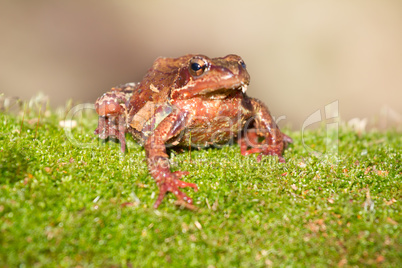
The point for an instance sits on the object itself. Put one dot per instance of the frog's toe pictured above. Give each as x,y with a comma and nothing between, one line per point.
182,197
251,151
162,193
183,184
179,174
286,138
173,185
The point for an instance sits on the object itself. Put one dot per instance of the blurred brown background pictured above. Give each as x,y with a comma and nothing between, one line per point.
302,55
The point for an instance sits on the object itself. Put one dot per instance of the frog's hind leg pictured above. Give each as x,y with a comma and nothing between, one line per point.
250,139
247,139
264,127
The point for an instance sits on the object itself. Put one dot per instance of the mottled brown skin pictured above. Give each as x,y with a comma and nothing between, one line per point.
189,100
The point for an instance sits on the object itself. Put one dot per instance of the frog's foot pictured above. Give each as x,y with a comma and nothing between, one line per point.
170,182
286,140
266,150
249,140
261,148
107,127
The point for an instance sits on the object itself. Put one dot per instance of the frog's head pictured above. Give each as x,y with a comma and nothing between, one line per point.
216,78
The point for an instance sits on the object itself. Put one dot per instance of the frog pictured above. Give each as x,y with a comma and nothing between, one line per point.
189,101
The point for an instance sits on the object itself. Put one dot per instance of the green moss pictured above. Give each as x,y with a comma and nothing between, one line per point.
66,205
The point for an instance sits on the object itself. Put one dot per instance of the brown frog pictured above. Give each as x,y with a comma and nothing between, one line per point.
190,100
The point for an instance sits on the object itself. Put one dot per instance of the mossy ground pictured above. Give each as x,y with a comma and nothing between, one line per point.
64,204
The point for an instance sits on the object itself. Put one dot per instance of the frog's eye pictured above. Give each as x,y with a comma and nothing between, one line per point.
243,64
197,66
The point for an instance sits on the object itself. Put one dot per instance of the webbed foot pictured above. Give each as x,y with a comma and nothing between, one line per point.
113,127
261,147
169,182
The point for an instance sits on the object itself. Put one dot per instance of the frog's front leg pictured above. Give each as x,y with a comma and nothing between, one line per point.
265,127
112,126
112,109
158,162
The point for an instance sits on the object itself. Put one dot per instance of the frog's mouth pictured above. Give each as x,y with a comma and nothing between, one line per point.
222,93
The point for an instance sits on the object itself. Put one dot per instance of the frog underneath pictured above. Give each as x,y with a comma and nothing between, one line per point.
193,100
